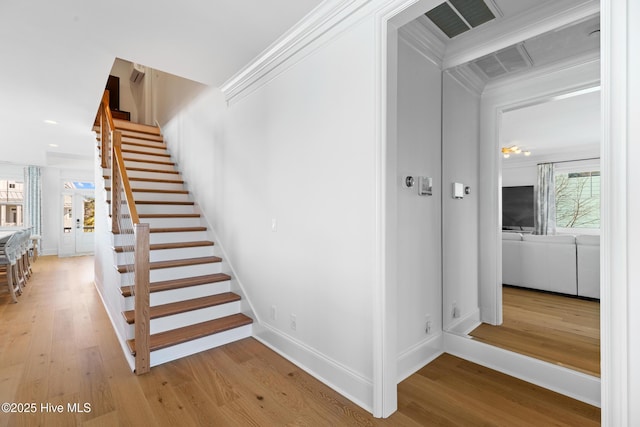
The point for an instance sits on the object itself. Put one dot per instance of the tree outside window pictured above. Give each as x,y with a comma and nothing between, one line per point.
578,199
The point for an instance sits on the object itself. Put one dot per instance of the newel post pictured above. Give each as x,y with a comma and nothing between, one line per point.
141,281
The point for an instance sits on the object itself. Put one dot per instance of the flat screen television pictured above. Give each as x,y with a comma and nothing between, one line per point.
517,207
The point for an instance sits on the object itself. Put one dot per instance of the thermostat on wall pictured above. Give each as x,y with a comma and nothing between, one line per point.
458,190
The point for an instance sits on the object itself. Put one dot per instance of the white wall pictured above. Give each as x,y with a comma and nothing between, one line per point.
419,254
460,141
519,175
299,150
131,94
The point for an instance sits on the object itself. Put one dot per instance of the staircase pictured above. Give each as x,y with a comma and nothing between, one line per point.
192,307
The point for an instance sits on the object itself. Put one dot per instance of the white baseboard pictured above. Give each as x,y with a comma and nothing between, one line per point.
122,340
419,355
577,385
466,324
350,384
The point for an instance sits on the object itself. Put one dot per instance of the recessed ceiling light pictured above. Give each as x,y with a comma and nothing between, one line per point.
51,122
53,145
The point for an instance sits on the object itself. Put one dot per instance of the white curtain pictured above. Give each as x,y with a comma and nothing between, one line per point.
33,199
545,203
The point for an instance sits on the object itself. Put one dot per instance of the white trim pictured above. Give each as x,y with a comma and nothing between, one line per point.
466,324
614,314
419,355
122,341
583,387
332,373
316,23
418,37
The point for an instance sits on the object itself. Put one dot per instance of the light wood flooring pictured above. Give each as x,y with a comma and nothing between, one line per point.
58,347
553,328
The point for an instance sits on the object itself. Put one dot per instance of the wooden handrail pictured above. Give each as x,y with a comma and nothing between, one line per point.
107,109
118,163
111,152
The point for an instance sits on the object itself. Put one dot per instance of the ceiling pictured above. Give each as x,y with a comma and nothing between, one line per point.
56,57
558,129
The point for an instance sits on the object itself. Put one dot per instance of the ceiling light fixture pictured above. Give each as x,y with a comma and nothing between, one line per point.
514,149
53,145
50,122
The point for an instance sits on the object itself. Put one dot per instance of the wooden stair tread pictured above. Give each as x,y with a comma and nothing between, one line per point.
162,246
165,230
186,282
152,144
155,162
137,169
189,333
146,153
184,306
154,190
173,263
177,215
125,125
164,181
159,202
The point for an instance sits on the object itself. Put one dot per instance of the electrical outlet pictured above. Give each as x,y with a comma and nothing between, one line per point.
293,323
274,225
428,324
455,311
274,312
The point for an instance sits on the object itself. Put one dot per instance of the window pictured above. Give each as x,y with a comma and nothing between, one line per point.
577,199
11,203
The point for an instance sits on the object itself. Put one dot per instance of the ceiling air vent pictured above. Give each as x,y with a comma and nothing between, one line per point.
508,60
458,16
475,12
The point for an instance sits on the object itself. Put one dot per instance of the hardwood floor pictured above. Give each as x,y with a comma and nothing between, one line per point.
554,328
58,347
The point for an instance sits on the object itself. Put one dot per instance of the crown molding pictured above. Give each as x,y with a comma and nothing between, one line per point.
467,79
320,20
424,41
528,76
533,22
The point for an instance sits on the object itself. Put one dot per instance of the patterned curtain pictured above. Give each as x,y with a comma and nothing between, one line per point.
33,199
545,203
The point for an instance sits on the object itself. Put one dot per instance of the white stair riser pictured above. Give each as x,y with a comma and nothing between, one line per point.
165,209
161,274
175,295
140,164
167,254
151,184
168,354
143,157
149,146
193,236
160,197
172,222
128,133
144,174
180,320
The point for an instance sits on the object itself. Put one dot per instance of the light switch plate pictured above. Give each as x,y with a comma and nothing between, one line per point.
458,190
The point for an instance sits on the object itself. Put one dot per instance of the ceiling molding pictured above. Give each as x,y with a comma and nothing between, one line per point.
420,38
320,20
467,79
531,23
575,62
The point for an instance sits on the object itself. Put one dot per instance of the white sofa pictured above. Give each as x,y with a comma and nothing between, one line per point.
560,263
588,266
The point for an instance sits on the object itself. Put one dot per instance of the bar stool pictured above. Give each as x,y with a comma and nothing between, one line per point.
8,263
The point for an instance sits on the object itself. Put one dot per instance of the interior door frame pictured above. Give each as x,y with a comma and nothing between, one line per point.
615,59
